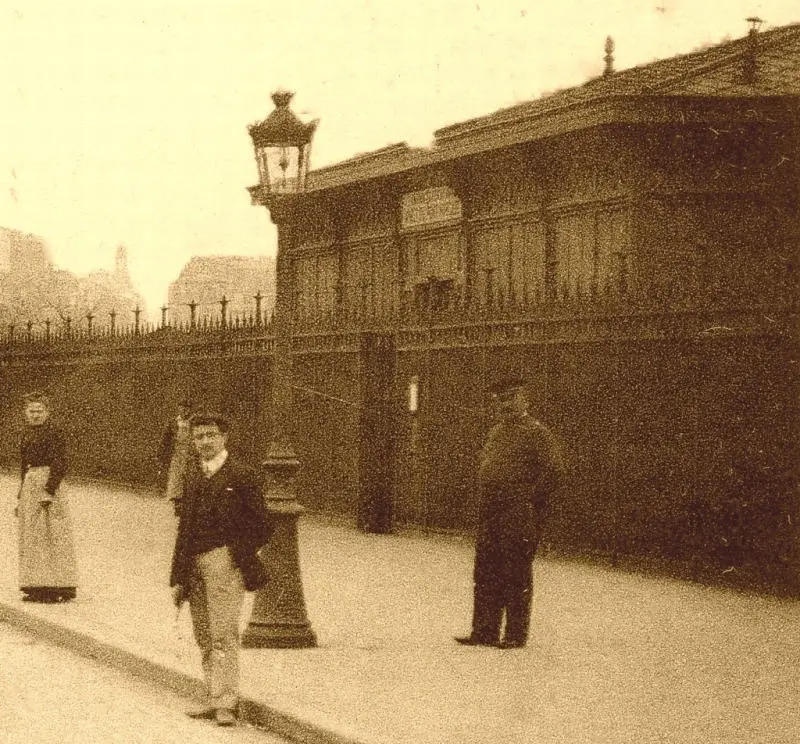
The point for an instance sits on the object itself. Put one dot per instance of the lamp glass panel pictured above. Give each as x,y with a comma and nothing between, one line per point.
283,167
261,162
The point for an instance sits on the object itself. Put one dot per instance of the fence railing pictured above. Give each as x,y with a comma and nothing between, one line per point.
456,322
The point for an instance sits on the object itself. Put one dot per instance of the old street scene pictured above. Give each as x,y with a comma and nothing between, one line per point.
488,435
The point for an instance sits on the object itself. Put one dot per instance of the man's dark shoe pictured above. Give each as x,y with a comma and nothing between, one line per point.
224,717
473,641
511,644
209,714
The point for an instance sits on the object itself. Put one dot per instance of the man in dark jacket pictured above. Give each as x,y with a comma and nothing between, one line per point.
520,467
223,524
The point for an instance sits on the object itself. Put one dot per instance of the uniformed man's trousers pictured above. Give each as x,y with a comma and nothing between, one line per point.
503,584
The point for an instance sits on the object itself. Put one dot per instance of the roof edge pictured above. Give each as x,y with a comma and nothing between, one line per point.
470,136
581,115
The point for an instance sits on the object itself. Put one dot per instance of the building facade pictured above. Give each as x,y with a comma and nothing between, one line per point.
102,294
34,293
662,184
22,253
631,244
245,284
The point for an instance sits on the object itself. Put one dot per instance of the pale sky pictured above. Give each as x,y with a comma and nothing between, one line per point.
126,122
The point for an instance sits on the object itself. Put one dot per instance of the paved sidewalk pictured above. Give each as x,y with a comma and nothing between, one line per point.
613,658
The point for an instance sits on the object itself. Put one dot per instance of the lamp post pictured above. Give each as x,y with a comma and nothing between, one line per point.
282,144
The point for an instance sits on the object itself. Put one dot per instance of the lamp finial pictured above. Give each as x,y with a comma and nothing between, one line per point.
282,97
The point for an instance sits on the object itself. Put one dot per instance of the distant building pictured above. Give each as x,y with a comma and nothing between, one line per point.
102,292
22,253
32,289
205,280
29,288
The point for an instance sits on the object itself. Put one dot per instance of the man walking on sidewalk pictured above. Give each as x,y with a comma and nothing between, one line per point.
223,524
520,466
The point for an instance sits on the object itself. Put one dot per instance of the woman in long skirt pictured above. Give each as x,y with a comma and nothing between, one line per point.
47,568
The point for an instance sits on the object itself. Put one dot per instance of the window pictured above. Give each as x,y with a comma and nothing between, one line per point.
434,294
592,254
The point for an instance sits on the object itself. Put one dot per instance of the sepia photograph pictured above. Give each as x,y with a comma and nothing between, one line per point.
379,372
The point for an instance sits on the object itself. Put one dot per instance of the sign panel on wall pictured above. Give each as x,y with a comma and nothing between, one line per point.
429,207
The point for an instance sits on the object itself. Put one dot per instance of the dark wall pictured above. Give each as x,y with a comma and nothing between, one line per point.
682,450
677,450
113,411
326,408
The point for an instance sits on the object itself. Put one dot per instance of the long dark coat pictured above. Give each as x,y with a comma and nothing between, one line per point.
521,466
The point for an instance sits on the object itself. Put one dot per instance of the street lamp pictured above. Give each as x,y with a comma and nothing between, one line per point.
282,144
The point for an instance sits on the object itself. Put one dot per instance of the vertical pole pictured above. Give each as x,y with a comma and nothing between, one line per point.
224,302
258,298
279,619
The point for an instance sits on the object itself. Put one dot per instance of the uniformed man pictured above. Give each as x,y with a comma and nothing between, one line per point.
520,467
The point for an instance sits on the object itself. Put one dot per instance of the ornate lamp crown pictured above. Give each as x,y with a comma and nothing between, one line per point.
282,127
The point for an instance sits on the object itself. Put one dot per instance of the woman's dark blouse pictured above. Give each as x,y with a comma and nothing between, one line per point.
44,445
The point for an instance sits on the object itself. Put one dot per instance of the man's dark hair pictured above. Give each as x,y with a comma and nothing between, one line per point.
210,419
36,396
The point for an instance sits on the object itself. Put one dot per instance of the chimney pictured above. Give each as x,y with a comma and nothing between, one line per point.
609,58
750,60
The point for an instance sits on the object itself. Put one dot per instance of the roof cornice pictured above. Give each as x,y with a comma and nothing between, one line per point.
624,110
636,95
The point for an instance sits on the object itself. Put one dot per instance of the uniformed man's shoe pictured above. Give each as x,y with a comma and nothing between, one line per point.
209,714
511,644
224,717
473,641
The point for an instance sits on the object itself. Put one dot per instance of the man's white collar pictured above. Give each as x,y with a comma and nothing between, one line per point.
212,466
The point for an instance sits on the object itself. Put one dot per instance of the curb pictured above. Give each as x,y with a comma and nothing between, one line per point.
301,726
